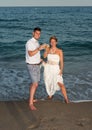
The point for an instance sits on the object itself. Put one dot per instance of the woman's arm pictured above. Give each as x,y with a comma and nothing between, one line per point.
61,61
46,52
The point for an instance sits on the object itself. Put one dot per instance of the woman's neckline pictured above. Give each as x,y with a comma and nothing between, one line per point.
53,54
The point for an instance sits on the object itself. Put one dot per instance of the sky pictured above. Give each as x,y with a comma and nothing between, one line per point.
45,2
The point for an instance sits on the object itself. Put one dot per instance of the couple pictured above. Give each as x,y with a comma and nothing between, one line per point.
53,69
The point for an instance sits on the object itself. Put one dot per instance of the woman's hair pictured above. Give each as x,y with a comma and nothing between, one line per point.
53,37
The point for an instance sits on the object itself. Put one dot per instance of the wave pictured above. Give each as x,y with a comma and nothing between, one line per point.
9,20
5,44
77,44
12,51
15,27
78,101
15,81
13,57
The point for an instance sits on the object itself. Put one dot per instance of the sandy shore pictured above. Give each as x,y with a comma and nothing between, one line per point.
50,115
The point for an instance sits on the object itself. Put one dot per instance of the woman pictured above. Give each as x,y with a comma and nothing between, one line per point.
53,69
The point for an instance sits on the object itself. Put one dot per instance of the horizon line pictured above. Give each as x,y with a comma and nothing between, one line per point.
47,6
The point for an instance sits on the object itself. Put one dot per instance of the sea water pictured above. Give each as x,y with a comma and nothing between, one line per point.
73,28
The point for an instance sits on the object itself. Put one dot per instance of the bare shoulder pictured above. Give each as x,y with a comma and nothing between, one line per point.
60,52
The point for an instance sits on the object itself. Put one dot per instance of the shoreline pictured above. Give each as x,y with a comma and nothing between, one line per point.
50,115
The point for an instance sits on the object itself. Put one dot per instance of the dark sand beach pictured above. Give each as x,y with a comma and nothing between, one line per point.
50,115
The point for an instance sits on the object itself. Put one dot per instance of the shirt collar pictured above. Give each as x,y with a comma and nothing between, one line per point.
34,39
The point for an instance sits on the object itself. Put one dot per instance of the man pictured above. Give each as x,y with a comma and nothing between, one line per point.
33,63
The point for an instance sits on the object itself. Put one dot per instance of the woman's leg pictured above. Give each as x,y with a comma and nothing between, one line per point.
50,97
63,90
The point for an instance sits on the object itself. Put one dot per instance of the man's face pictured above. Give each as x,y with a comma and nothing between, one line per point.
36,34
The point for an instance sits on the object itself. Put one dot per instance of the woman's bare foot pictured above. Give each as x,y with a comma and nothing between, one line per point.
32,107
67,101
49,97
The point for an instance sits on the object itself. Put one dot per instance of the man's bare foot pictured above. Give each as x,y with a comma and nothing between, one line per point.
35,100
32,107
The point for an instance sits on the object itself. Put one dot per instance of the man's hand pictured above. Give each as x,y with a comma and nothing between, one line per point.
42,47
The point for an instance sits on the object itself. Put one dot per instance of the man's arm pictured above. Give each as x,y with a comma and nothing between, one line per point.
32,53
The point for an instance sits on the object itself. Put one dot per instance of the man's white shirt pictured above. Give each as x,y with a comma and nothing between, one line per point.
31,45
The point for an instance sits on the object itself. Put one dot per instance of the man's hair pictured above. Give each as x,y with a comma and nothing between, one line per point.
37,29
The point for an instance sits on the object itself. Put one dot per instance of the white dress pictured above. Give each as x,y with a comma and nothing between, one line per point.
51,74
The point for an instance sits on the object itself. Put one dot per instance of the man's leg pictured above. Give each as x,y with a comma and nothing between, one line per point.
33,88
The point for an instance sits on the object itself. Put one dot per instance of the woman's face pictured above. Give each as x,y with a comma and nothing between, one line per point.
53,42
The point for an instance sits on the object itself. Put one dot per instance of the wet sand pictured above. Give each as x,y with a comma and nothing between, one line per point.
50,115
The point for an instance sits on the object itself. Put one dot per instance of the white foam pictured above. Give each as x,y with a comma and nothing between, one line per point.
15,85
78,101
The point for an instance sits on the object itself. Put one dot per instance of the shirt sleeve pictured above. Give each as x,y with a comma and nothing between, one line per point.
30,46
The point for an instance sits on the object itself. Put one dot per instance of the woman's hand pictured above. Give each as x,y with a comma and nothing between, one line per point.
60,72
47,47
41,60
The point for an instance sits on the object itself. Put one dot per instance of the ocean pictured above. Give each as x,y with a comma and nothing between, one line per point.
73,28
